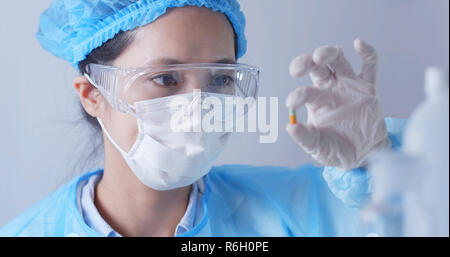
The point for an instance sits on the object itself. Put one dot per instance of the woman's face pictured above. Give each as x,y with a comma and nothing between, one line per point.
183,35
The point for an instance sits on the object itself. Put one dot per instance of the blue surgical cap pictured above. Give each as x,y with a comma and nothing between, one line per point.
71,29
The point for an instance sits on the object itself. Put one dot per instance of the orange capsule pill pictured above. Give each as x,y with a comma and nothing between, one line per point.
292,116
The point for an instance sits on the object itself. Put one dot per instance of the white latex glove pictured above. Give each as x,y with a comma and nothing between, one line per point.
345,121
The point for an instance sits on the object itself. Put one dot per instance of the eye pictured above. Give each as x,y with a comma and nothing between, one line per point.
165,80
223,80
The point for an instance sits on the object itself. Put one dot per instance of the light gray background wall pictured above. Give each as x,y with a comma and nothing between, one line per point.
39,145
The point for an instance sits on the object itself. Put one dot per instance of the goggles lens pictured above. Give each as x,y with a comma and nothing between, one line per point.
129,86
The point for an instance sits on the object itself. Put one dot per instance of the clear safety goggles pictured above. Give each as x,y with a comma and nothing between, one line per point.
123,88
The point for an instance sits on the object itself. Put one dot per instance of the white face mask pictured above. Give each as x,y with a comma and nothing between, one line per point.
163,159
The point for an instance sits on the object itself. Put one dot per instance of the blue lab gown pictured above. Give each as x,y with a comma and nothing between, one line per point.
239,200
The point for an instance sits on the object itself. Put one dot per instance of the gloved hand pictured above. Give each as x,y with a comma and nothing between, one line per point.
345,121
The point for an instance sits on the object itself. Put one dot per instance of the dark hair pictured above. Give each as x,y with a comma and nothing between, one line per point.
109,51
91,150
106,54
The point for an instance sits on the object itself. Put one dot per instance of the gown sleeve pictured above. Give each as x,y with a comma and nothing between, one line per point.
280,201
325,201
353,187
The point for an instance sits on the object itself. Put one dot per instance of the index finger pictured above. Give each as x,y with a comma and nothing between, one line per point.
304,64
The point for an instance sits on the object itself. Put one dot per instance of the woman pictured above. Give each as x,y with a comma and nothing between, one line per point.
135,59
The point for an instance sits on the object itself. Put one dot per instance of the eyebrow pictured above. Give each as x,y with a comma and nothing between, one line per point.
171,61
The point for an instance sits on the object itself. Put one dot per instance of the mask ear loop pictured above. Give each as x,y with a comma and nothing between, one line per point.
100,122
110,138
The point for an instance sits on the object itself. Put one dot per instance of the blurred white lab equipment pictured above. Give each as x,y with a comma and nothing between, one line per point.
410,190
